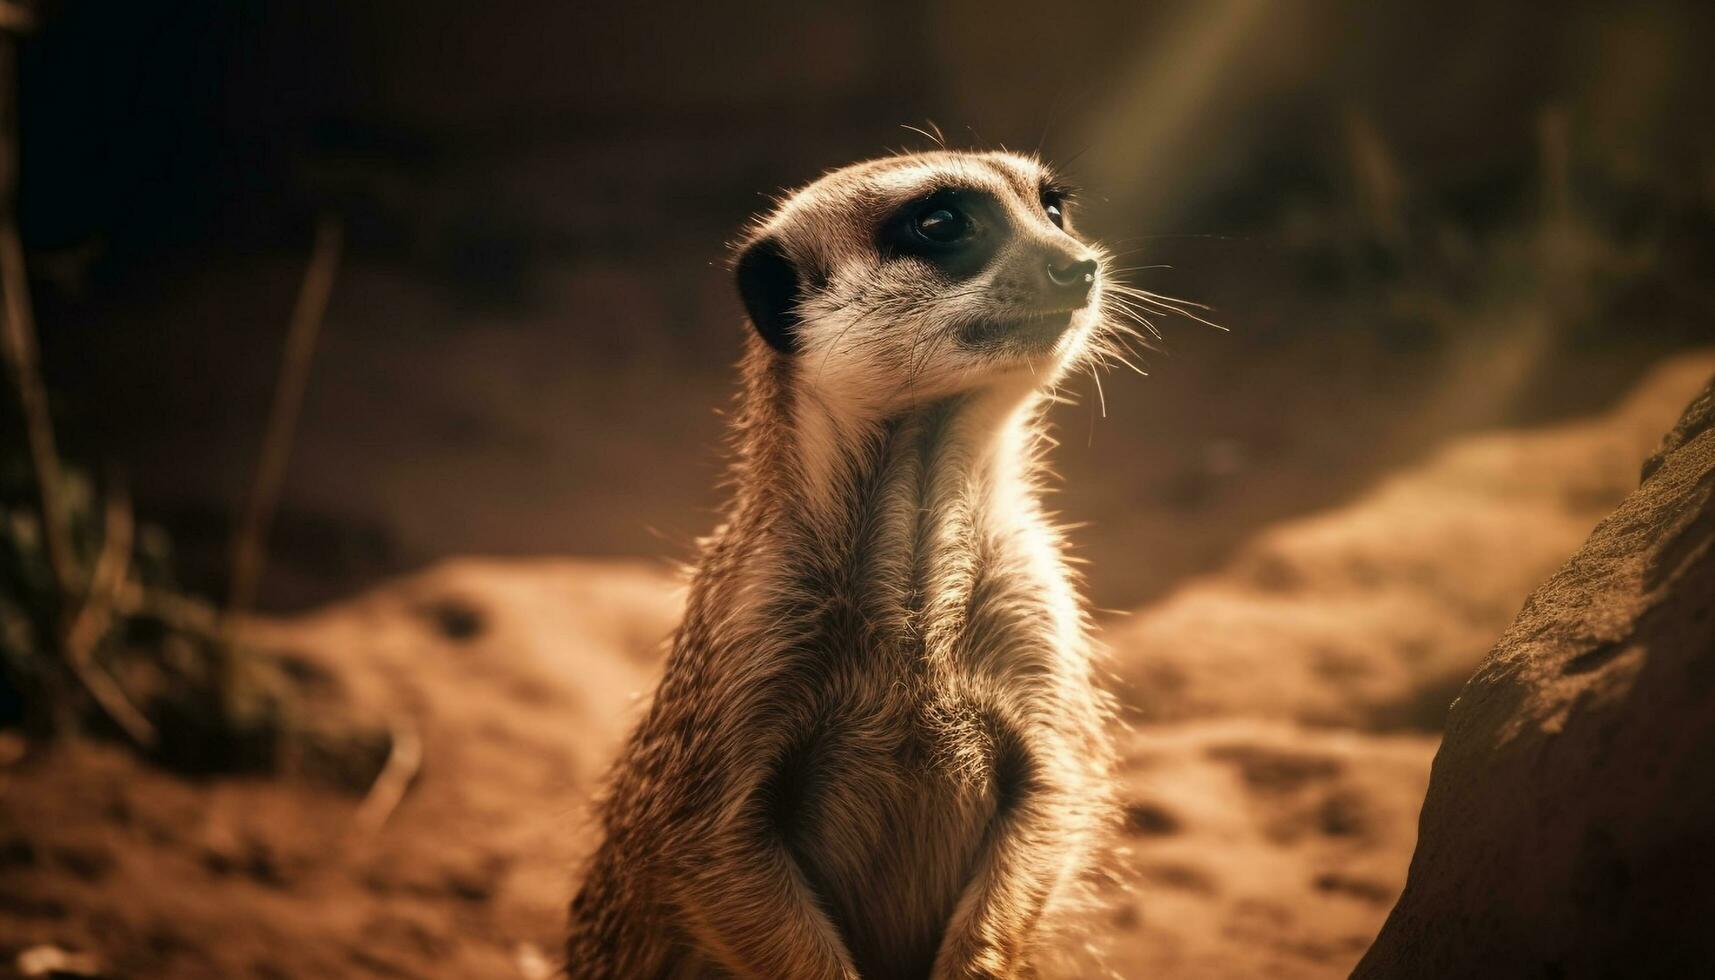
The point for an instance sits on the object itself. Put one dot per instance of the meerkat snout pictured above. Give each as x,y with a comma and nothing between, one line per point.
1070,280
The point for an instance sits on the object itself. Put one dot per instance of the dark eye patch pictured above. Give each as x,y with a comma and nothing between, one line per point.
958,230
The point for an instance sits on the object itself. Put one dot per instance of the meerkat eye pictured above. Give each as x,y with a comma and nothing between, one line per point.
1054,204
942,224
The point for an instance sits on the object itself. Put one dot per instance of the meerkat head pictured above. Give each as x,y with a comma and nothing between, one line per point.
925,275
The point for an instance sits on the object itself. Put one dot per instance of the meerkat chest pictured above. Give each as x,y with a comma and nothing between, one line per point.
885,805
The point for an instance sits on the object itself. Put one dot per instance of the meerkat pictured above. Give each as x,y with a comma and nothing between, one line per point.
877,750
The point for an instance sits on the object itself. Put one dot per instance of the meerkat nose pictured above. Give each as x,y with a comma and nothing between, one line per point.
1072,280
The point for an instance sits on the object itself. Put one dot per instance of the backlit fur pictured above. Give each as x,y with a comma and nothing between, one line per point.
877,750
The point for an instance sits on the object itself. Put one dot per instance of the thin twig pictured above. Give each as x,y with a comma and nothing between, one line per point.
249,551
404,759
20,329
95,615
20,344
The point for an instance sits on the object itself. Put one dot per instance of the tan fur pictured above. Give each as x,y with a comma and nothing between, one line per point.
877,750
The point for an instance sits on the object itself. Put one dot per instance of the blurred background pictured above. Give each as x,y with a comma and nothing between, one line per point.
1462,254
1413,220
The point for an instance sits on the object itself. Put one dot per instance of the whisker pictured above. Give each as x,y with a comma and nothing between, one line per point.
1120,306
934,137
1157,297
1145,294
1162,304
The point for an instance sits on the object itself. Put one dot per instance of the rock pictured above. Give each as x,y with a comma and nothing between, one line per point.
1569,828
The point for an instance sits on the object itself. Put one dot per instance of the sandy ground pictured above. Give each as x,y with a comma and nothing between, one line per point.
1280,715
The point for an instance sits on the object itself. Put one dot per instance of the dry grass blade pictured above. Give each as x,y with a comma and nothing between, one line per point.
90,625
21,356
19,336
250,544
404,759
177,612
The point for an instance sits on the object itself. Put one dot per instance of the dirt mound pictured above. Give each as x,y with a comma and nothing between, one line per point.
520,678
1572,798
1261,849
1372,615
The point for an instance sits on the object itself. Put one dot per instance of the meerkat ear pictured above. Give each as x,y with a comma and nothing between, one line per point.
768,284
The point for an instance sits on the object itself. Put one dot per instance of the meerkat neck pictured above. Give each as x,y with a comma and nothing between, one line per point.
898,515
950,454
818,454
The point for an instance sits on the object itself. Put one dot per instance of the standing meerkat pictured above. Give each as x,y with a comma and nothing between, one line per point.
877,751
